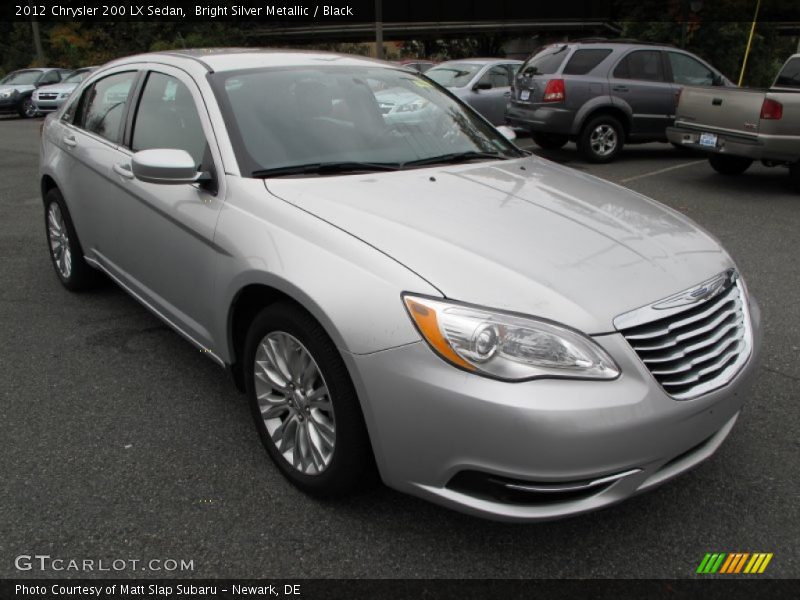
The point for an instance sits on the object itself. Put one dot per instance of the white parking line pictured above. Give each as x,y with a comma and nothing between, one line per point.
659,171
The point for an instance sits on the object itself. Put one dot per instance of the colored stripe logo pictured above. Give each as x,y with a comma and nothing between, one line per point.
730,563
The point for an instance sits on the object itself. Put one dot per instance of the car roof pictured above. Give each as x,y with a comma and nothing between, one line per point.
479,61
233,59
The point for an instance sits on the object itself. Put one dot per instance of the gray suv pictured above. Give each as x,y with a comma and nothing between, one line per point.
603,94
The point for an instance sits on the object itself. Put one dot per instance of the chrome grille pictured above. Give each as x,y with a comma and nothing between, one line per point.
48,96
695,346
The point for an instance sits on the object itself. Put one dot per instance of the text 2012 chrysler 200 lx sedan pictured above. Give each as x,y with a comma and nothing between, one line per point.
503,335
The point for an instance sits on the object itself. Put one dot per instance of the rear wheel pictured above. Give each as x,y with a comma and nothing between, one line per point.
601,139
65,249
729,165
549,141
304,403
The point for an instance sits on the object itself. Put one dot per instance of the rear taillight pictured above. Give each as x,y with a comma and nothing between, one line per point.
678,96
771,109
554,91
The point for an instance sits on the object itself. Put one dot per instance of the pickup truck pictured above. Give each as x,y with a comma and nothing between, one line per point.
740,125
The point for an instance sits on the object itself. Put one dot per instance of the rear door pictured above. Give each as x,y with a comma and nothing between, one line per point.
639,81
88,135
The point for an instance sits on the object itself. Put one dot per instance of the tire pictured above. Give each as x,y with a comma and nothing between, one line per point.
317,440
27,109
601,139
729,165
65,249
794,175
550,141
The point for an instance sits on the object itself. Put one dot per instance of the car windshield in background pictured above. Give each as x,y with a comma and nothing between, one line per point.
453,74
77,76
22,78
334,119
545,62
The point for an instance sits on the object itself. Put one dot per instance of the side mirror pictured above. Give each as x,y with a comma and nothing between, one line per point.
718,80
481,85
507,132
167,166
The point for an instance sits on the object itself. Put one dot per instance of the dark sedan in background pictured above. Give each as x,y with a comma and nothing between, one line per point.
16,89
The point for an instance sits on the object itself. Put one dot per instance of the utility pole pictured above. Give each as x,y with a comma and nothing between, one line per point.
379,29
37,42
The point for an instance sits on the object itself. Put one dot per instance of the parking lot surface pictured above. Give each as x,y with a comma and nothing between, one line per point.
121,441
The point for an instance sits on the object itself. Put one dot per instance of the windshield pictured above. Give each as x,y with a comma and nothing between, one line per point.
453,74
22,77
77,76
349,116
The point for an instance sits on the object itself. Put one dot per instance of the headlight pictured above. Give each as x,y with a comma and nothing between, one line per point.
5,94
65,94
506,346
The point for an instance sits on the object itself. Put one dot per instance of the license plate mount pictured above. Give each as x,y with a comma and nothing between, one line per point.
708,139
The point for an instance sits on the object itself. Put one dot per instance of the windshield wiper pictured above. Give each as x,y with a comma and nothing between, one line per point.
453,158
324,168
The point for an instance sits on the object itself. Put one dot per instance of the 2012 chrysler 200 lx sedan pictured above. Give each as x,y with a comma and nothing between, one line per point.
398,283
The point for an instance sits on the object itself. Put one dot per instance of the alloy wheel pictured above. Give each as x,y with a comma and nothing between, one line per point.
59,240
295,403
603,139
29,108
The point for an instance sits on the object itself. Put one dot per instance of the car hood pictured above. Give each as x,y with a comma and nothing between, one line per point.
19,88
523,235
58,88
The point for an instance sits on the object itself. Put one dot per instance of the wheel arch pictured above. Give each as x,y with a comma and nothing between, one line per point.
603,106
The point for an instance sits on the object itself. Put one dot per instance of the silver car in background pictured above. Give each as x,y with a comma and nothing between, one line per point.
495,332
49,98
483,83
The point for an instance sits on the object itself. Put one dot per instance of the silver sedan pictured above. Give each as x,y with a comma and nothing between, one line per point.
483,83
393,283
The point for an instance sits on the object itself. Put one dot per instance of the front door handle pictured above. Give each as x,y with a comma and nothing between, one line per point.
69,140
123,170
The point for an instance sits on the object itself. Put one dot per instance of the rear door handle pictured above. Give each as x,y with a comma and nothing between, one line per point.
619,88
124,170
507,94
69,140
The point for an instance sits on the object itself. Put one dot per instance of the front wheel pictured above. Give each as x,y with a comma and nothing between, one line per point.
28,109
304,403
550,141
601,139
729,165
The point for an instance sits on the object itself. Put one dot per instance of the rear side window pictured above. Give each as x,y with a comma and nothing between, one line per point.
584,60
497,77
103,105
545,62
790,74
689,71
644,65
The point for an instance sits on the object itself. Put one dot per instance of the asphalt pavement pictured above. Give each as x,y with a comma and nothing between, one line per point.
121,441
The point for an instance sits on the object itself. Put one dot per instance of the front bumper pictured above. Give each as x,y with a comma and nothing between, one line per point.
430,422
11,104
47,106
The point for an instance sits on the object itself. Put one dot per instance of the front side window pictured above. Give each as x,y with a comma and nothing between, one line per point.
167,118
50,77
103,105
453,74
281,118
688,71
78,76
644,65
497,77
